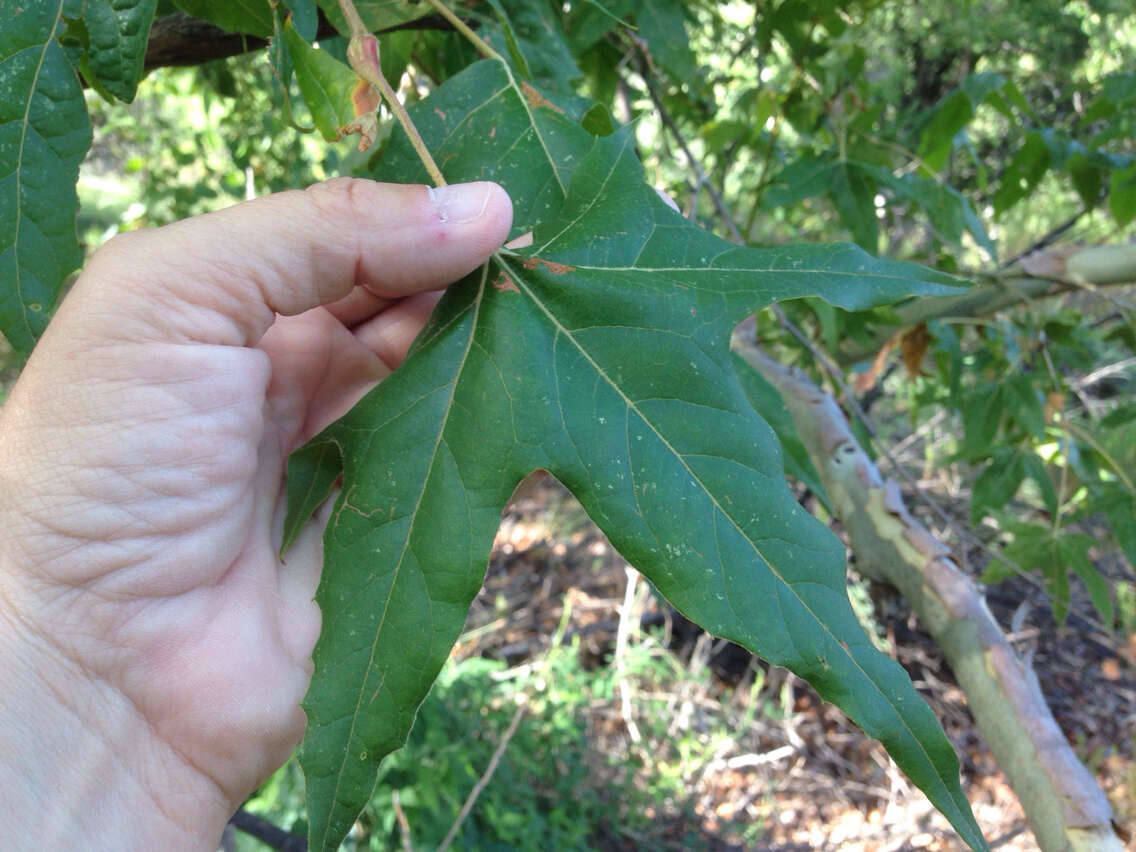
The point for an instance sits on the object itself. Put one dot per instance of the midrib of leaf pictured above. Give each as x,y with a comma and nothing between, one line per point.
567,333
581,215
477,301
532,123
20,163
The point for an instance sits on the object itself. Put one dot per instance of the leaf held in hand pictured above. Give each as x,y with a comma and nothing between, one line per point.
600,354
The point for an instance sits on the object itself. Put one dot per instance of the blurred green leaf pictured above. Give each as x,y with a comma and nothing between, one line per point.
253,17
1023,172
1122,195
325,82
118,31
952,114
999,481
44,134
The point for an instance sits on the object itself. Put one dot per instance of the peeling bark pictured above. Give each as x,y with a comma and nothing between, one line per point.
1063,803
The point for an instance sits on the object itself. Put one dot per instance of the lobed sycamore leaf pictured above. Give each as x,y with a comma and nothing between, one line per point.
600,354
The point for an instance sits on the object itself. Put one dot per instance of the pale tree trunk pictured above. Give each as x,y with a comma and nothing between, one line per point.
1063,803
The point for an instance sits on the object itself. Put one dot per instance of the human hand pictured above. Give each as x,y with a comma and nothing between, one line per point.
153,646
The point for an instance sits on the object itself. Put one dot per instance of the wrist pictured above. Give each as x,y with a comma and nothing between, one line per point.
79,766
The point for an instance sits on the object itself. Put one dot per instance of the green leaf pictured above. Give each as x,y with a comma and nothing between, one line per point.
805,177
532,36
1028,166
1024,404
1034,468
588,22
952,114
601,355
998,483
325,82
1074,552
118,31
253,17
1054,553
305,17
662,25
44,134
853,192
1120,87
1122,195
1119,506
767,402
981,417
515,54
376,14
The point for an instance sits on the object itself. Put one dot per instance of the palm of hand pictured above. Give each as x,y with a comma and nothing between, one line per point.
181,603
148,438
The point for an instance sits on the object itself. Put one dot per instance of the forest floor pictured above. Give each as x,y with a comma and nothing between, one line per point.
793,773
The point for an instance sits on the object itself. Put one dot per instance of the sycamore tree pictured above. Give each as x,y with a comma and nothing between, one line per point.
597,344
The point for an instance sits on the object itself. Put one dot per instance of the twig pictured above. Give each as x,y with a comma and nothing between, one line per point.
625,621
1046,240
363,54
462,27
695,166
471,799
403,822
271,835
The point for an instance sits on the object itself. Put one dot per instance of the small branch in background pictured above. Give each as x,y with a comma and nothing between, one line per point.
626,619
403,823
695,166
1048,239
271,835
485,778
462,27
363,54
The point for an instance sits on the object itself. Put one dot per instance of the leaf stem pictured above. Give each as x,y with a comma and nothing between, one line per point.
483,47
363,54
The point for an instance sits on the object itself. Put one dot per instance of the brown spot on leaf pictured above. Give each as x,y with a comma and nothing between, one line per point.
503,283
536,99
440,113
553,267
492,132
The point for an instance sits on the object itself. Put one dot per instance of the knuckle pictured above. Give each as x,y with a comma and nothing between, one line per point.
343,198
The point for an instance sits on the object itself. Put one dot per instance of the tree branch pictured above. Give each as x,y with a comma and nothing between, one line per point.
271,835
1063,803
180,40
1035,276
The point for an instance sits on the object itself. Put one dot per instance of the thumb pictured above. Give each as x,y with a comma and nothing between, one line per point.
223,277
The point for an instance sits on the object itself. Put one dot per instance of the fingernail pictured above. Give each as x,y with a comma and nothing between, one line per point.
460,203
